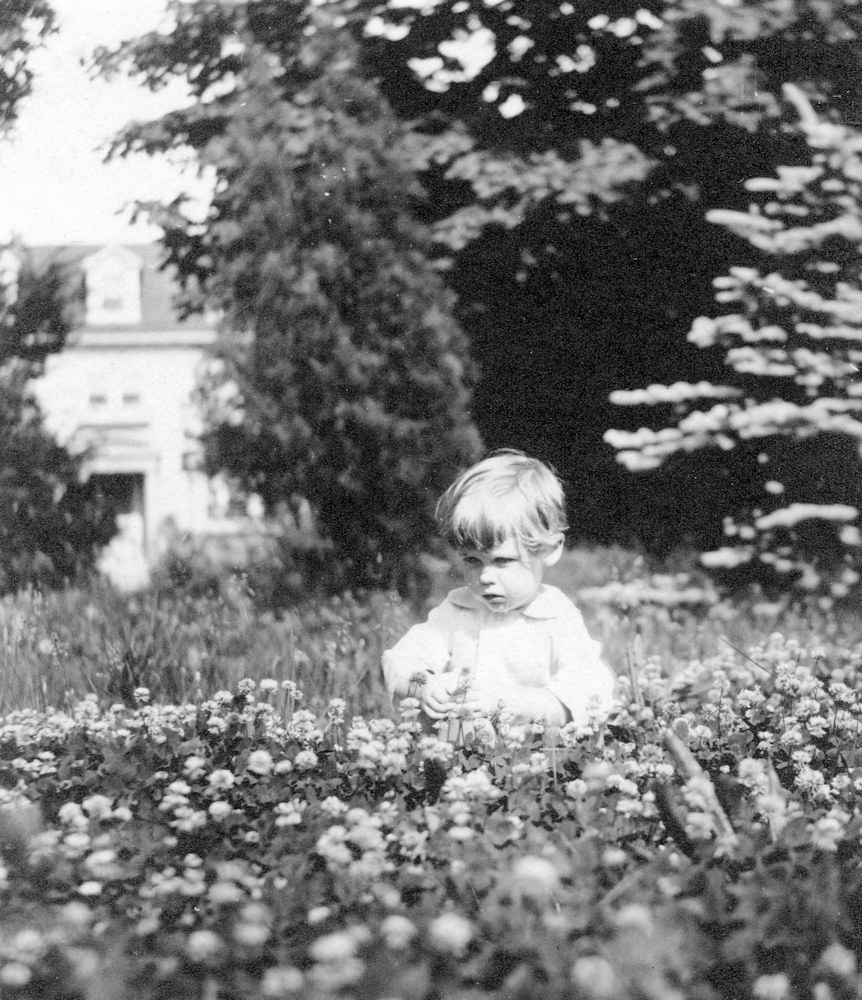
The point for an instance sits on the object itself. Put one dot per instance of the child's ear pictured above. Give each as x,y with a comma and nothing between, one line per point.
554,549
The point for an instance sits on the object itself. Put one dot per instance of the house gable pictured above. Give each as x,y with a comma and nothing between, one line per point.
112,281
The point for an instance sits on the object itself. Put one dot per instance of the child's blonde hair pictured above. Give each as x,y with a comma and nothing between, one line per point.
507,494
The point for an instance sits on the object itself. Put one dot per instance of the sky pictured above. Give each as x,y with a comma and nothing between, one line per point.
54,186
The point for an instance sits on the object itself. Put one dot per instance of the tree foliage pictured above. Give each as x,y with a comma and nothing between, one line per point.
577,228
345,380
23,24
567,178
52,523
790,333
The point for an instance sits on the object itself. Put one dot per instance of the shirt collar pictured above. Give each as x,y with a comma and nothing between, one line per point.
548,603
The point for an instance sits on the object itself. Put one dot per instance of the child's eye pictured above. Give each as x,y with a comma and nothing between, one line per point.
503,562
472,561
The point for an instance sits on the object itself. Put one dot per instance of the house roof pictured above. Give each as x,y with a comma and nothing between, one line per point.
159,287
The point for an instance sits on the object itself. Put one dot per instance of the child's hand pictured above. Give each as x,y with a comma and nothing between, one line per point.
435,698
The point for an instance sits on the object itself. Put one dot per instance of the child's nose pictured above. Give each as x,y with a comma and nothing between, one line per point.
487,574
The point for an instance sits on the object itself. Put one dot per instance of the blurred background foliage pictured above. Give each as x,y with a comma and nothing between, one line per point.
419,252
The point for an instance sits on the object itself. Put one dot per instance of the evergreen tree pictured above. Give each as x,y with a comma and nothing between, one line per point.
787,413
345,378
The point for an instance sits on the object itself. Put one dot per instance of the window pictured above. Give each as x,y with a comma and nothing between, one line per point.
112,278
98,399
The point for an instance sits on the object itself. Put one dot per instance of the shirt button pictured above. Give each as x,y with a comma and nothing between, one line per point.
499,616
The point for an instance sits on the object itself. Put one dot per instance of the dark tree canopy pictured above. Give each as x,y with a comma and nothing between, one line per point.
789,328
593,254
567,183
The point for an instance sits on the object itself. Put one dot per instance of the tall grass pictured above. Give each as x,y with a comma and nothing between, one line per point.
185,643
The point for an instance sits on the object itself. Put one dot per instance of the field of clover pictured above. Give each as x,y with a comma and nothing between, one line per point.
705,843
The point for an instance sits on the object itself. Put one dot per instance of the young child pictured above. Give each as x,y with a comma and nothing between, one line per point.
506,639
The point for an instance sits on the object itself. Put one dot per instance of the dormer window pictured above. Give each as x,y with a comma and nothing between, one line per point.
113,287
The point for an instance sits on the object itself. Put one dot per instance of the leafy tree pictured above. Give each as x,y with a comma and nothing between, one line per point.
791,342
567,183
52,523
345,373
23,24
576,225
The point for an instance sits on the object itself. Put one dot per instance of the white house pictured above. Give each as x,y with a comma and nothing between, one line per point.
123,388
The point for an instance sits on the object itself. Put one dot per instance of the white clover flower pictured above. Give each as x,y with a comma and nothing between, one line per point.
838,960
317,914
221,779
535,876
397,931
28,944
91,888
193,767
268,685
774,987
450,933
280,980
699,825
333,806
576,789
103,865
75,844
340,946
636,916
71,814
141,695
76,915
188,820
250,934
203,944
614,857
305,760
224,892
260,762
595,977
98,806
216,725
461,833
15,974
219,810
331,846
290,813
827,832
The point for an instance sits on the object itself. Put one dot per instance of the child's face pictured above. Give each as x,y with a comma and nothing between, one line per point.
507,576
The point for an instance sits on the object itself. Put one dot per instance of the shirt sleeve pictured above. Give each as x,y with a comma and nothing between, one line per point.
425,648
581,680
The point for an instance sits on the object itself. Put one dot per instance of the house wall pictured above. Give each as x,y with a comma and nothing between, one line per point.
122,391
129,401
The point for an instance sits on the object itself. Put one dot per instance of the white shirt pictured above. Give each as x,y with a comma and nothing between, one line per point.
544,644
